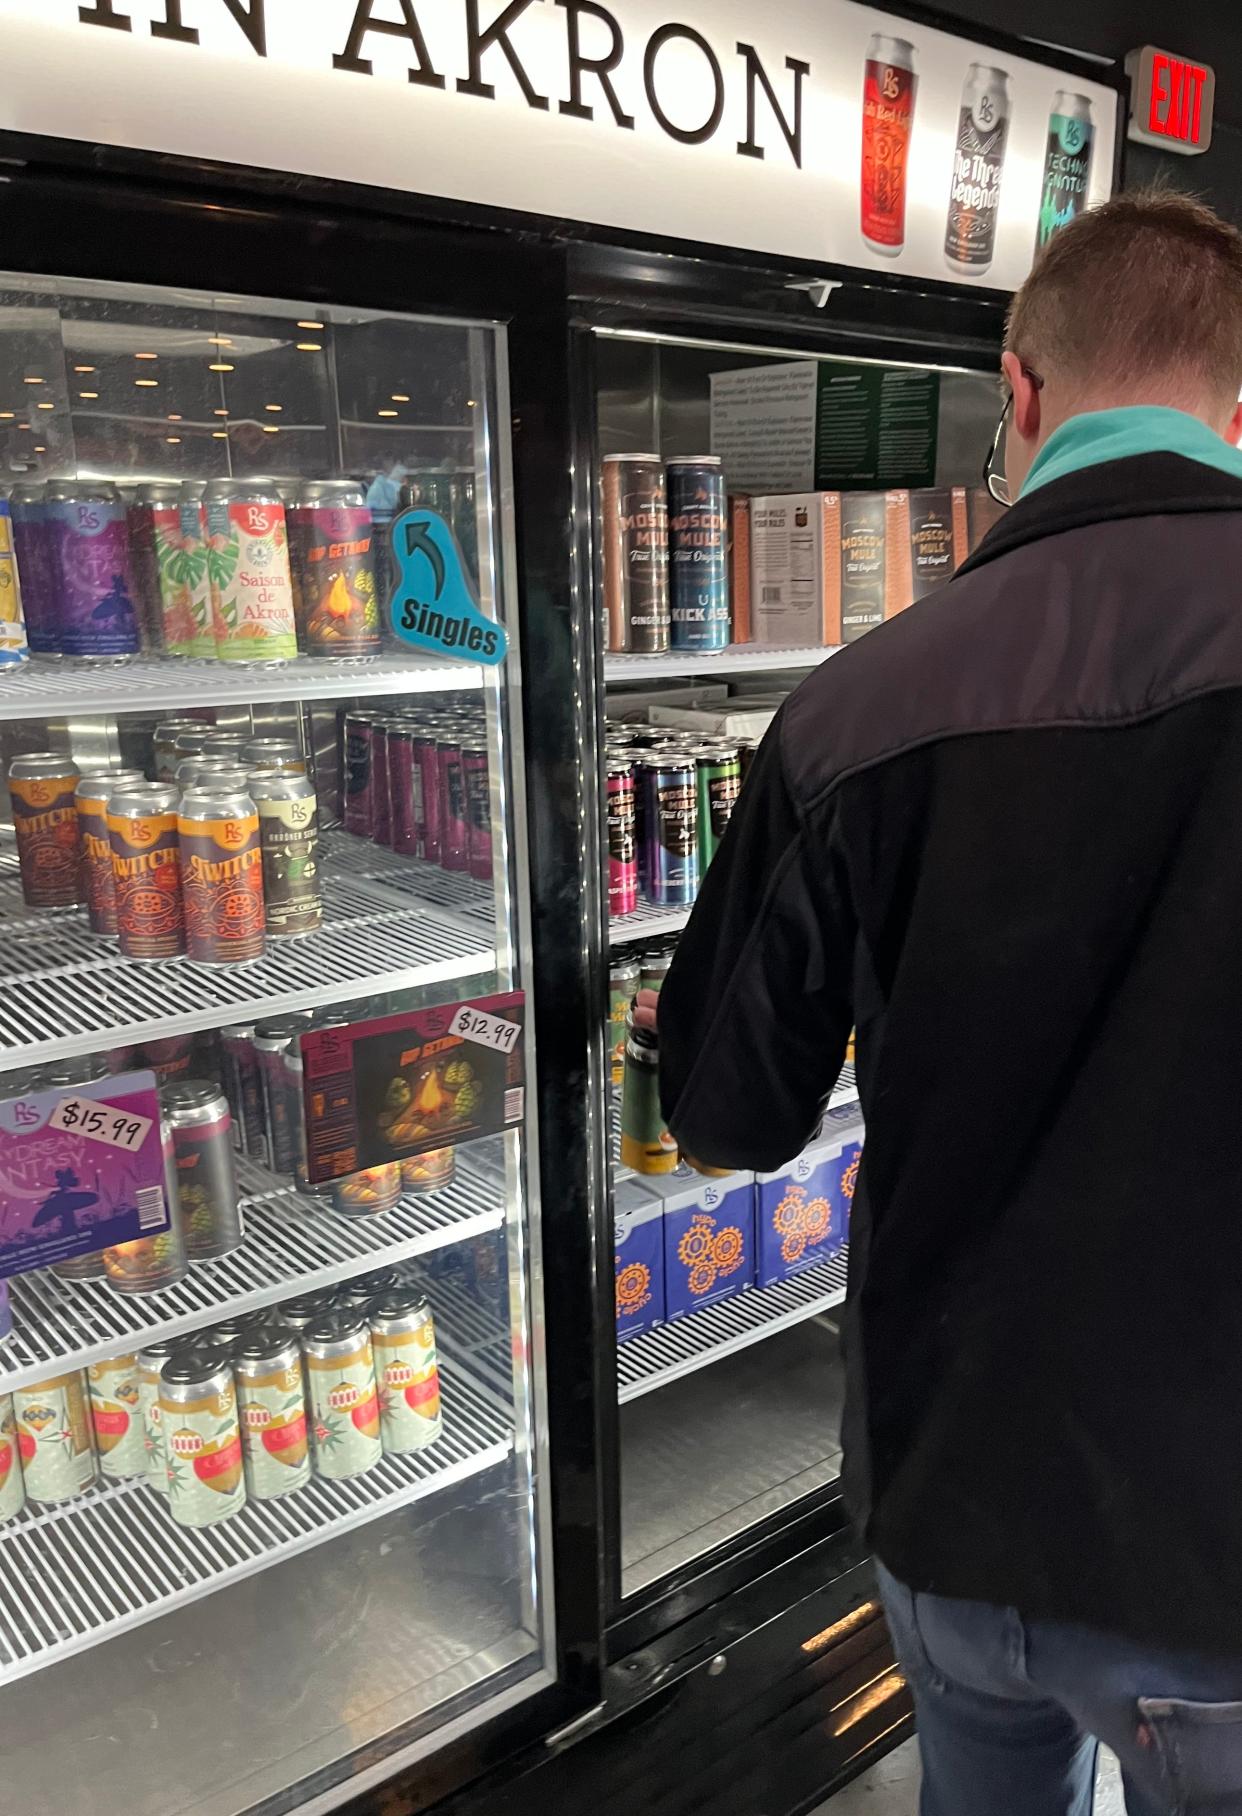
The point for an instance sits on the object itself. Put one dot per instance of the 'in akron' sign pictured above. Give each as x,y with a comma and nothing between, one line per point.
433,603
814,130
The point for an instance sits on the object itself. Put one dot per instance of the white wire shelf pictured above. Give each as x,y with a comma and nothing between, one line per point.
80,1573
739,658
393,870
68,991
294,1244
648,922
672,1351
39,690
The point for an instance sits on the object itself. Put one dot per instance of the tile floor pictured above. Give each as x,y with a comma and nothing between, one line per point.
892,1789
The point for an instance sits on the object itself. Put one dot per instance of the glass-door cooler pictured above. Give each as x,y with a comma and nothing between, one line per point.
272,1495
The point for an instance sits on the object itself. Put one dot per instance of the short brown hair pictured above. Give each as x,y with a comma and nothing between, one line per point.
1146,288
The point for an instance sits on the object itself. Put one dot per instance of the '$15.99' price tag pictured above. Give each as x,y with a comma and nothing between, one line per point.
100,1122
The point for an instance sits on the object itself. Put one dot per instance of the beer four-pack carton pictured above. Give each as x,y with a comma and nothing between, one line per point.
709,1238
638,1238
802,1211
795,591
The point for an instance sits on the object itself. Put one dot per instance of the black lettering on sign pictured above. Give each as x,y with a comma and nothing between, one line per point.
685,135
103,13
251,19
424,73
496,37
599,67
750,147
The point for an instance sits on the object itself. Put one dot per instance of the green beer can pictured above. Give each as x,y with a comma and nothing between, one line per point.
719,773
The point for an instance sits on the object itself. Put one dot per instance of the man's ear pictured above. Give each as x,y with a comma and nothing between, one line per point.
1026,410
1233,434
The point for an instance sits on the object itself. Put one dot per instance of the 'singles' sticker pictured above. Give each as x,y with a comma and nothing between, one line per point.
434,605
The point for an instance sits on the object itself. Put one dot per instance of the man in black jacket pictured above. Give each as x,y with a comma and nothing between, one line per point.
1002,835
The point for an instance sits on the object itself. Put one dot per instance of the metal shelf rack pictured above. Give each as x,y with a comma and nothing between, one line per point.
672,1351
294,1244
738,659
82,1572
41,690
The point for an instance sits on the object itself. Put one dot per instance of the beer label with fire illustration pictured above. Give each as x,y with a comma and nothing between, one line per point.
387,1090
80,1170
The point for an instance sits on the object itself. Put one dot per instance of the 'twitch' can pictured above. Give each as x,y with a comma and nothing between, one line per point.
41,791
221,874
697,553
978,160
146,870
635,524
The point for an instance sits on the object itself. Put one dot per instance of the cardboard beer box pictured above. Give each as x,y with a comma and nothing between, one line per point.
709,1238
795,569
937,536
982,512
876,559
638,1238
802,1211
845,1178
745,716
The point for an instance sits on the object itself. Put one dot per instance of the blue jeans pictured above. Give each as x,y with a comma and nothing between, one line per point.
1011,1713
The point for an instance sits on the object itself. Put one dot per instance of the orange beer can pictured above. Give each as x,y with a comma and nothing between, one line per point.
146,871
41,788
222,873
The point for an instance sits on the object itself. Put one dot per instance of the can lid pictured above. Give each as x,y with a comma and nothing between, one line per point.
610,459
209,795
398,1302
237,1031
38,763
182,1094
695,460
133,798
280,1025
165,1346
194,1367
265,1341
335,1325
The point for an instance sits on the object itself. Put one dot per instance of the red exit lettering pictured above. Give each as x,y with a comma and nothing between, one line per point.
1176,102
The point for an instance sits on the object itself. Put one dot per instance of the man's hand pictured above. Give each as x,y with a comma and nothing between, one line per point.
646,1009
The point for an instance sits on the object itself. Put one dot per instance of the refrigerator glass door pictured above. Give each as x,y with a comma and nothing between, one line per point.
272,1590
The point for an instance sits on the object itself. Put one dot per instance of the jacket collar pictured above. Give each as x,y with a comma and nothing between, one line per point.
1143,485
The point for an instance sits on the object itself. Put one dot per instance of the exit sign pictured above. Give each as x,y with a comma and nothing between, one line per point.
1170,100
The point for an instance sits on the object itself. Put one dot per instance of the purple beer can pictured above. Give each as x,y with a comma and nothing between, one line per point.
670,830
454,831
359,814
427,795
32,545
404,789
381,810
89,528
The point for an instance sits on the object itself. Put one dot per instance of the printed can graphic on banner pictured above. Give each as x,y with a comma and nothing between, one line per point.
1067,164
978,162
889,89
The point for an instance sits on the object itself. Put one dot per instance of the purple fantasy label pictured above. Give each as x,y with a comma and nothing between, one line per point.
81,1169
90,541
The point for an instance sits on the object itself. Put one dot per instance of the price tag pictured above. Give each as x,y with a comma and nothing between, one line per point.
102,1123
488,1030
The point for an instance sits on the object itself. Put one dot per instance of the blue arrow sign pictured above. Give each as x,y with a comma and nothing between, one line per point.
434,604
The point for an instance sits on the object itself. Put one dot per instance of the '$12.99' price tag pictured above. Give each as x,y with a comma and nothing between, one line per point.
100,1122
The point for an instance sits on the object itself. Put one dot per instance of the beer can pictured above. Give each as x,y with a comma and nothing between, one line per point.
116,1417
251,586
719,774
271,1403
427,794
331,544
151,1360
6,1314
295,1095
404,789
889,89
345,1420
381,802
12,1484
54,1437
221,874
202,1438
243,1086
150,1263
154,520
978,160
298,1314
146,871
361,774
429,1172
33,545
635,535
356,1295
284,754
229,1332
41,789
272,1040
623,977
698,523
747,751
1066,180
89,533
370,1193
196,560
477,782
190,741
654,969
454,830
622,851
646,1144
164,753
12,627
229,744
90,800
207,1200
407,1371
671,831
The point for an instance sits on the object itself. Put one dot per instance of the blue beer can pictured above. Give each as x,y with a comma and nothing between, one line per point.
698,553
671,830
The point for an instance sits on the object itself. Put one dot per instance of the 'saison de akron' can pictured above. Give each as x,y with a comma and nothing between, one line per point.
202,1438
698,557
635,525
251,585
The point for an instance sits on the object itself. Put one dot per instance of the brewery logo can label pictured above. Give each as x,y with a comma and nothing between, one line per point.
91,540
46,822
251,585
864,532
698,555
889,87
146,873
12,1486
116,1413
271,1400
289,829
635,507
54,1437
408,1373
978,160
335,579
